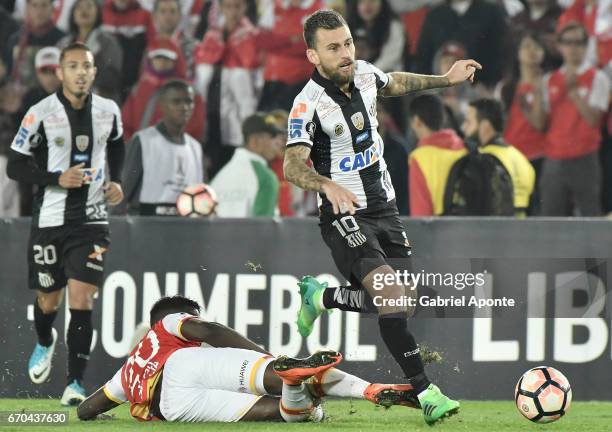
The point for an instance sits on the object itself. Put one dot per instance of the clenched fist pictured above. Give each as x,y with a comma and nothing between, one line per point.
72,178
113,193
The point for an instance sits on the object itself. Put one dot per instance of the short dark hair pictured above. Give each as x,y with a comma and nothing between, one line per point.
572,25
74,46
174,84
322,19
491,110
429,109
175,304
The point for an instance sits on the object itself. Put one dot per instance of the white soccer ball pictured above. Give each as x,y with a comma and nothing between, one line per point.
543,394
197,201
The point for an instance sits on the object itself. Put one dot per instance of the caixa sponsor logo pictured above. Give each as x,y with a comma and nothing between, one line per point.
361,160
92,175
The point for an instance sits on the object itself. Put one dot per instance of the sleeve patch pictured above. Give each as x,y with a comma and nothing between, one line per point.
28,136
300,127
173,323
296,120
180,327
111,397
114,390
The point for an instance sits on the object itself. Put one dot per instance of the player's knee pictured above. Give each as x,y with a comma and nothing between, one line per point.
81,298
396,300
82,301
49,303
47,308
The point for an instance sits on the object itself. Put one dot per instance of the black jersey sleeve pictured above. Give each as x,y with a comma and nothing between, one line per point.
22,168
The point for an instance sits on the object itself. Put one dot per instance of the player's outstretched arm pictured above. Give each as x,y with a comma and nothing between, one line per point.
217,335
94,405
402,83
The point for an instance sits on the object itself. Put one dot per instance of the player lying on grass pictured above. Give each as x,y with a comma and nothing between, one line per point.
186,369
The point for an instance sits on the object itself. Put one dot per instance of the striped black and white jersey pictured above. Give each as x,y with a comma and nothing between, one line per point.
57,136
343,137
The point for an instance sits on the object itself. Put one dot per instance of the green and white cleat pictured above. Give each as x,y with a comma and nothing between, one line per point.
311,292
436,406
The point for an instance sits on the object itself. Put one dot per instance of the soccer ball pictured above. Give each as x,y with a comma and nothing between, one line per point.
543,394
197,201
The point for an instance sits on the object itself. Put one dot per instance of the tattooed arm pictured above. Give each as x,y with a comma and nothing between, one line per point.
401,83
300,174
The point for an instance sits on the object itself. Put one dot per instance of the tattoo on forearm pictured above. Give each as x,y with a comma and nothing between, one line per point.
299,173
405,82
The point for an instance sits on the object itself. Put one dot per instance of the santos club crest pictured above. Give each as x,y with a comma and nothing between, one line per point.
358,121
82,142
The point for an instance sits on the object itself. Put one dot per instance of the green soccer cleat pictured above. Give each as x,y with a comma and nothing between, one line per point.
311,292
436,406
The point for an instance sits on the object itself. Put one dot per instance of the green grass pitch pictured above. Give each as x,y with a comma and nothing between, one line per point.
499,416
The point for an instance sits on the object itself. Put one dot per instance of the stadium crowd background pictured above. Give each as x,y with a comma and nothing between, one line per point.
247,56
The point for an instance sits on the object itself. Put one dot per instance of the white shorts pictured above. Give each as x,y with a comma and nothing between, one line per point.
212,384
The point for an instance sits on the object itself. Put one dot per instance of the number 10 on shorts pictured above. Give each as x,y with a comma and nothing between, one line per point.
349,229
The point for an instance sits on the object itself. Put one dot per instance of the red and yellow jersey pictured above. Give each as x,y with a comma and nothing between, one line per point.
430,164
136,380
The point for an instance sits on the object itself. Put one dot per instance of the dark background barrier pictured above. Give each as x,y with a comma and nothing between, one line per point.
244,272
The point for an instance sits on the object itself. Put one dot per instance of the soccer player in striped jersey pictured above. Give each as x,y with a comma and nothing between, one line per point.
63,146
333,122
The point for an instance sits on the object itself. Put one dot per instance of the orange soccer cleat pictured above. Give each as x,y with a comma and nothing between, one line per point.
294,371
388,395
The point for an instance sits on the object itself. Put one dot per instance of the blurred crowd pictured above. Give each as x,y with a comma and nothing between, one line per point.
547,63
